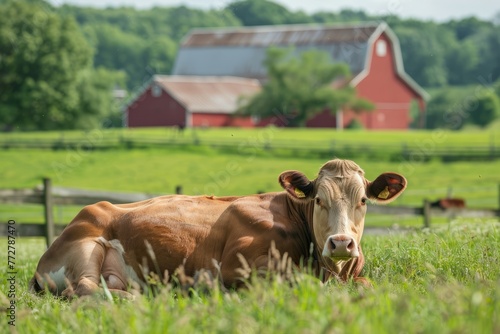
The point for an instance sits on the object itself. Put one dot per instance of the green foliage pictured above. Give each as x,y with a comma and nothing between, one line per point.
95,89
355,125
139,58
424,54
299,87
454,107
445,111
448,53
485,109
462,61
264,12
47,81
182,19
142,43
40,65
467,27
488,44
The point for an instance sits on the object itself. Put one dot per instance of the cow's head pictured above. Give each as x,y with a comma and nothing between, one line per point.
340,193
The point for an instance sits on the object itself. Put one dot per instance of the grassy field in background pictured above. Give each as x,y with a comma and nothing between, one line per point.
444,280
203,170
326,137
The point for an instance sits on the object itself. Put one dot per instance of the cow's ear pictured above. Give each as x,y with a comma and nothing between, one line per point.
386,187
297,184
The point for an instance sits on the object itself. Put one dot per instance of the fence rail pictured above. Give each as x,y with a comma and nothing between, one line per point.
323,148
49,196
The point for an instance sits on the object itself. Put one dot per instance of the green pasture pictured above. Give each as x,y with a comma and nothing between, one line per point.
439,280
207,171
443,280
245,138
202,169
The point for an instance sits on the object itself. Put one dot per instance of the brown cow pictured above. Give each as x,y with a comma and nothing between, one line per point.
322,219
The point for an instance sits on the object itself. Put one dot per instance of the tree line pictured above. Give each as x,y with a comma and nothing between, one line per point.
76,55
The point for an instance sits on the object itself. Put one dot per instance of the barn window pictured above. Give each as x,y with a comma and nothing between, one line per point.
156,91
381,48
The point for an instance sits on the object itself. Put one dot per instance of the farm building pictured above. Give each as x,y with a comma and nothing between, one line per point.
190,101
371,50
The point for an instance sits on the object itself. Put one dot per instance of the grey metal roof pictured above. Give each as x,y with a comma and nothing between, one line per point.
204,94
280,35
241,51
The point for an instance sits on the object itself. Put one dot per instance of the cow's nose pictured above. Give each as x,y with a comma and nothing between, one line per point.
341,245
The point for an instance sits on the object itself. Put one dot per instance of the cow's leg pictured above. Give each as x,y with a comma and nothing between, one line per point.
117,274
69,268
101,258
84,271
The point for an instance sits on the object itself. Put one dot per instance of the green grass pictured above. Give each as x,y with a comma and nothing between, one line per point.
206,171
448,138
247,169
443,280
278,142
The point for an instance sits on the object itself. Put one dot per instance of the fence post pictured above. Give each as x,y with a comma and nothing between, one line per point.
178,190
427,213
499,196
48,211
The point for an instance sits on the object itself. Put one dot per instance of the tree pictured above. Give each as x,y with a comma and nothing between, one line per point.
182,19
299,87
139,58
461,62
443,103
485,109
259,12
97,104
45,70
119,50
423,54
41,57
467,26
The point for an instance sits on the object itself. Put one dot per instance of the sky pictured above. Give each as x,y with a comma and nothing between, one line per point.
437,10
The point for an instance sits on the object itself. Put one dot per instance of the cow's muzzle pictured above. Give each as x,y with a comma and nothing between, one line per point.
341,246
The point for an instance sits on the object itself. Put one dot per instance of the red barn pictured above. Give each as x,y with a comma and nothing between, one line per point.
190,102
371,50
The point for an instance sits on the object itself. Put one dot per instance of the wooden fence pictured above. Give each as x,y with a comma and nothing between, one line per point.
49,196
320,148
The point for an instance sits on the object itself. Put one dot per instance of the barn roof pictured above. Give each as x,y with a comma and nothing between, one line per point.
207,94
240,51
279,35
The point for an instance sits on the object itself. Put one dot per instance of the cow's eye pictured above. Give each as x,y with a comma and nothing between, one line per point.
318,201
363,200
